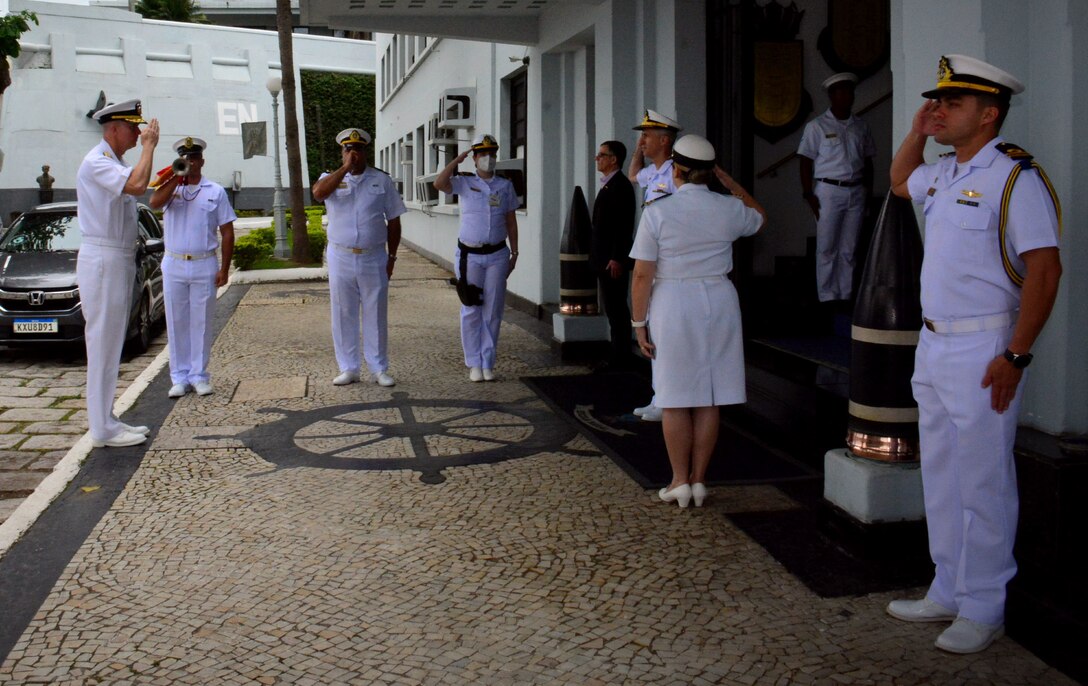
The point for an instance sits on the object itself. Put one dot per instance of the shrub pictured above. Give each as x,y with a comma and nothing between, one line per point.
265,235
248,250
318,240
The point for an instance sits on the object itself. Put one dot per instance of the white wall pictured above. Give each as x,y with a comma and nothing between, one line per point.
1044,44
197,80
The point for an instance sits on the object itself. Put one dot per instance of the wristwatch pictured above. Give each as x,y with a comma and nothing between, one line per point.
1019,361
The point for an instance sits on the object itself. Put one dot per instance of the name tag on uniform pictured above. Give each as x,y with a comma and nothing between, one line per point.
931,192
831,135
969,203
493,200
473,188
342,185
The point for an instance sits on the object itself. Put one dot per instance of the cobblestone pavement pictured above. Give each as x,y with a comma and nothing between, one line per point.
43,411
345,549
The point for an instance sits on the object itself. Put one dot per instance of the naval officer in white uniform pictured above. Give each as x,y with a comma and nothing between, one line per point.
364,210
989,279
658,133
483,259
686,312
196,212
836,154
106,192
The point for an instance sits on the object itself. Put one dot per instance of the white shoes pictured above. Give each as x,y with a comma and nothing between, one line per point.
681,494
345,378
203,388
475,374
384,379
698,494
650,413
142,430
967,636
924,610
489,375
120,439
178,390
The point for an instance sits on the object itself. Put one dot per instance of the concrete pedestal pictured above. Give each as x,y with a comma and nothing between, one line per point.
579,329
873,492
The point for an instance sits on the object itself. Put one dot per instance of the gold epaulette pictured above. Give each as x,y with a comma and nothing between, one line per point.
1024,161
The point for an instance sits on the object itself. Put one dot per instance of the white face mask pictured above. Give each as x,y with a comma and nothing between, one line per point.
486,163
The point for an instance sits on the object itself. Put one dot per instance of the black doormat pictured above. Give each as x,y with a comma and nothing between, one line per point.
600,405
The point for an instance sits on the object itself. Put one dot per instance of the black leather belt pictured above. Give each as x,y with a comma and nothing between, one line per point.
485,249
844,184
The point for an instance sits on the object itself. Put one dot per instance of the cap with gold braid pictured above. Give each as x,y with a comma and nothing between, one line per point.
484,142
656,120
129,110
189,146
963,74
353,137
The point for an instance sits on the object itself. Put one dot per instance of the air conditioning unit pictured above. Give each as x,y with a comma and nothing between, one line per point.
426,193
457,108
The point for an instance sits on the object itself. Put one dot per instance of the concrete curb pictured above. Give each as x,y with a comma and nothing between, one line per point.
53,485
280,275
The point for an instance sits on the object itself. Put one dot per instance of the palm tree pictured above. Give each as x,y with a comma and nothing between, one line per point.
300,243
186,11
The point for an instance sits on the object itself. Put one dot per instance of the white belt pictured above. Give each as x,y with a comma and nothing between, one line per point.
190,256
700,279
972,324
108,243
354,251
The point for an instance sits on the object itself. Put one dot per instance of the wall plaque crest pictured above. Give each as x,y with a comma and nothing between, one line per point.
857,35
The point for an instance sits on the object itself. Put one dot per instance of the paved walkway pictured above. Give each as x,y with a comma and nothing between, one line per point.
284,530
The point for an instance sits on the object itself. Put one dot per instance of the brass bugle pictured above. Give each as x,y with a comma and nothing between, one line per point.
180,167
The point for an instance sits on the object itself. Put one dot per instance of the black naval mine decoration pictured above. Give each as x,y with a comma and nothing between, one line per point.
577,283
882,423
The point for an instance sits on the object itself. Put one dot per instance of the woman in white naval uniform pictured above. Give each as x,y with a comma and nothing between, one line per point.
488,220
194,210
106,191
364,211
686,312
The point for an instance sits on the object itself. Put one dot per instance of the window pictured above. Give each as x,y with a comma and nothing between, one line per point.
518,117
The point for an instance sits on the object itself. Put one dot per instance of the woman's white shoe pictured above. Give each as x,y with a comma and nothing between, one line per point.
698,494
681,494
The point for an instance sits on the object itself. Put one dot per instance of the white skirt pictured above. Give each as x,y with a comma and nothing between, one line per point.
696,328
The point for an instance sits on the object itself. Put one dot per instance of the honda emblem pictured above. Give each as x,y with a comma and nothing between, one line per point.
36,298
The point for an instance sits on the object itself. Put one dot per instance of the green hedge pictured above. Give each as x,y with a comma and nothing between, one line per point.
249,249
331,103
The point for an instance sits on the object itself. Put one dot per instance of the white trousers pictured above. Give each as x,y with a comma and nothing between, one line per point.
105,276
189,289
968,472
841,213
480,325
359,280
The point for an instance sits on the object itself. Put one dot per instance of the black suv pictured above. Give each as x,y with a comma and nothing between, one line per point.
39,297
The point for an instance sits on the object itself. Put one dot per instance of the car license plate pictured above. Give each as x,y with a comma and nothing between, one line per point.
36,326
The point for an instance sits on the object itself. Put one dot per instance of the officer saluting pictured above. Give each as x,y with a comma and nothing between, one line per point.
364,211
195,208
483,258
656,178
106,191
989,279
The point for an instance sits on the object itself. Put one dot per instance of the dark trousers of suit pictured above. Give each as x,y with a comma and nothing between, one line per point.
614,299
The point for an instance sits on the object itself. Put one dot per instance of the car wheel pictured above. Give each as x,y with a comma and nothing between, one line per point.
141,339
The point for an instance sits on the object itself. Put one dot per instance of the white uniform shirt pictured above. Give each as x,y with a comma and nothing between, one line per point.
105,211
690,235
837,148
656,181
484,206
360,208
962,274
193,216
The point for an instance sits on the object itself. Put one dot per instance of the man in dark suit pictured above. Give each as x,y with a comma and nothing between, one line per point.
613,223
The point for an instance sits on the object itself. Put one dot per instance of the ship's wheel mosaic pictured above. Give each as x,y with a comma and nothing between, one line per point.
424,435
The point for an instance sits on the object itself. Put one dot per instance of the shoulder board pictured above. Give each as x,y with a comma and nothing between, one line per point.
1017,154
947,154
379,169
465,174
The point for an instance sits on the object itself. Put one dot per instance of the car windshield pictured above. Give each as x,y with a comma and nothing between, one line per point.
42,232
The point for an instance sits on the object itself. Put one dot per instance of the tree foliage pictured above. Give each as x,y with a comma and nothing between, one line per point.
331,103
12,27
186,11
